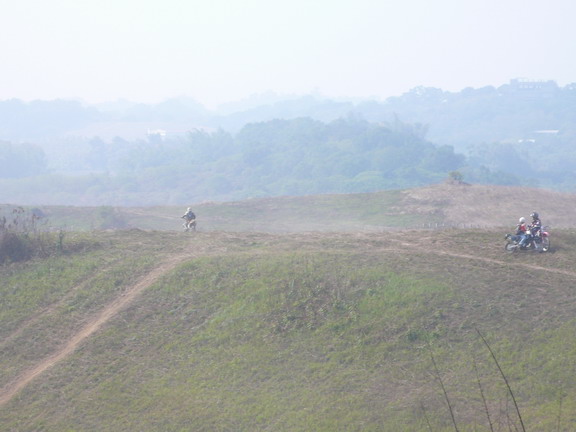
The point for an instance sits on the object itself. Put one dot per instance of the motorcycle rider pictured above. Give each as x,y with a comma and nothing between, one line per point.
536,224
522,231
534,230
189,217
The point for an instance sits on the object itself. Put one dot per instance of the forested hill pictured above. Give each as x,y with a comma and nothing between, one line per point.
279,157
521,133
513,111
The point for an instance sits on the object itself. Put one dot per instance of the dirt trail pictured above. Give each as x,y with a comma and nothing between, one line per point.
48,310
529,266
147,214
12,388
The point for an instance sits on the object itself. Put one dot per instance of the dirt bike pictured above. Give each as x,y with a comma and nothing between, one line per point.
539,242
189,224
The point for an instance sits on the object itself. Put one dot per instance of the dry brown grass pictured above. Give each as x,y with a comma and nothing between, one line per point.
441,205
492,205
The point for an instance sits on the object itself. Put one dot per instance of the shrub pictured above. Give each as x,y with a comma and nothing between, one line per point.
13,247
20,236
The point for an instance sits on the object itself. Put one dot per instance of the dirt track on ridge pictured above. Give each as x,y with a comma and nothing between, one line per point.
530,266
122,301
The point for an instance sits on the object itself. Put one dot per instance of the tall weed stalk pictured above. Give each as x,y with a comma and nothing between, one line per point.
504,378
443,389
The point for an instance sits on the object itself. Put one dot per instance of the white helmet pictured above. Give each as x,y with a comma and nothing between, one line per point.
522,220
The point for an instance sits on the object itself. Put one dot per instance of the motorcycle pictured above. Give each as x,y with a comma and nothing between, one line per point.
539,242
189,224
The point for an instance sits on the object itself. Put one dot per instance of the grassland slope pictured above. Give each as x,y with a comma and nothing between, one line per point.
297,332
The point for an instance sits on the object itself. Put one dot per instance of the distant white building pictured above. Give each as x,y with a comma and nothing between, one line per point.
532,87
540,135
547,132
156,135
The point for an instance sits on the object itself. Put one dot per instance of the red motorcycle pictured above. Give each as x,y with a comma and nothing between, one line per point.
538,242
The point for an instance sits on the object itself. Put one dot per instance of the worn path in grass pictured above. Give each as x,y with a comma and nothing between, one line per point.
12,388
420,245
531,266
49,309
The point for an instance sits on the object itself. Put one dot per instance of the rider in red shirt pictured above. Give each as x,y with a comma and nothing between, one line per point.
522,231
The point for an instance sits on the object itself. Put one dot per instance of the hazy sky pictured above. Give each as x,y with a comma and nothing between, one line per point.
223,50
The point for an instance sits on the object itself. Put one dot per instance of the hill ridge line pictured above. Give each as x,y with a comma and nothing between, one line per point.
92,326
484,259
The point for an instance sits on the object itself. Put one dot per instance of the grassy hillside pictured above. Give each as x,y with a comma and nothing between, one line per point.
318,331
438,205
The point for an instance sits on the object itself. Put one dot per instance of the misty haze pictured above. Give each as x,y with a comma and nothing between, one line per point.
178,152
287,216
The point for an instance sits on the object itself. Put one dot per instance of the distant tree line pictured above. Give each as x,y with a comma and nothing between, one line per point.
277,157
303,156
507,135
462,119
